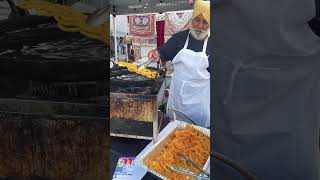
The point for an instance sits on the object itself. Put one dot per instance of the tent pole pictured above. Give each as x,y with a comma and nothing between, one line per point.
125,31
115,38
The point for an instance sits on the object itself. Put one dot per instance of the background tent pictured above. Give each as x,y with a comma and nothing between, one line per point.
118,7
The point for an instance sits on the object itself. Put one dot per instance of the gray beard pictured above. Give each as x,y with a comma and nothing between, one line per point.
199,35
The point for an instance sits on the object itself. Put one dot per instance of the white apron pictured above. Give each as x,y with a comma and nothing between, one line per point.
190,86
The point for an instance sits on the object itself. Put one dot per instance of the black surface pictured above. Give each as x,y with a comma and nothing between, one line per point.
92,92
42,90
130,127
24,178
124,147
39,50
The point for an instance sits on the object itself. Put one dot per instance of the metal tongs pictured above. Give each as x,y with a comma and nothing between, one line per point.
187,172
145,64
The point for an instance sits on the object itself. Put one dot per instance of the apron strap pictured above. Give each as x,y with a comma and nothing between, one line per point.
204,49
205,44
187,41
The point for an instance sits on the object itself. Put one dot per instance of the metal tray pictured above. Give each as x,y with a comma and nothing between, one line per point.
157,148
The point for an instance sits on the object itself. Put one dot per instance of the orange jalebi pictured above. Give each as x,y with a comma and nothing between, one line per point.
189,142
68,19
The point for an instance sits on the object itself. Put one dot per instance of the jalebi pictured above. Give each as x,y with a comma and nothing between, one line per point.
68,19
189,142
133,68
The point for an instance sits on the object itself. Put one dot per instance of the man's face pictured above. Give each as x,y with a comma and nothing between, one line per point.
199,27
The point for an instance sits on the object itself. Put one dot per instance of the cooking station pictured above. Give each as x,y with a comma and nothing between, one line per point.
134,104
52,102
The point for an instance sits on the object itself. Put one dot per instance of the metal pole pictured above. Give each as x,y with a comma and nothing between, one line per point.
155,126
115,38
125,31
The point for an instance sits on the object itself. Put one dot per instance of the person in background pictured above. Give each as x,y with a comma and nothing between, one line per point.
190,85
131,54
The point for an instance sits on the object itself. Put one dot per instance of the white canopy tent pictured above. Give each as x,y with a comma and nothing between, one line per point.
122,7
121,24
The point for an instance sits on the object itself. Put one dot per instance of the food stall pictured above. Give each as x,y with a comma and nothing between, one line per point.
140,21
136,101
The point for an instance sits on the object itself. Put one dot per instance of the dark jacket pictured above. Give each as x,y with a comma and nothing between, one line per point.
266,93
171,48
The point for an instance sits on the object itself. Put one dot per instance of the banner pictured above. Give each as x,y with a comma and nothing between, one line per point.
160,33
176,22
142,25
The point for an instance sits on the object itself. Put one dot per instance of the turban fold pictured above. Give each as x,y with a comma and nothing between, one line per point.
202,7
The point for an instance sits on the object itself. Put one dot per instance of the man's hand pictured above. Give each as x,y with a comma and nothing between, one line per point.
154,54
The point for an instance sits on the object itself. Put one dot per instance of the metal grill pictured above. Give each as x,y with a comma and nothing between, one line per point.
33,47
53,107
134,104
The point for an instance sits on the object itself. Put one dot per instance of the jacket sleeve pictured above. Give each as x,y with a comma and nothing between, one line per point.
169,49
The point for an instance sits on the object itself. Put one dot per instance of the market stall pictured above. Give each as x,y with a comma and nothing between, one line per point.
143,31
137,101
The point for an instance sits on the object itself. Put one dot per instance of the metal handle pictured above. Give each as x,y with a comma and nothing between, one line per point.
234,165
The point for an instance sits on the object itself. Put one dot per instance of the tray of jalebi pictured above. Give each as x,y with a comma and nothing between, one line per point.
189,140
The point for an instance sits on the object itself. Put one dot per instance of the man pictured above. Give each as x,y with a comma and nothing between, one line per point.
267,89
190,84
